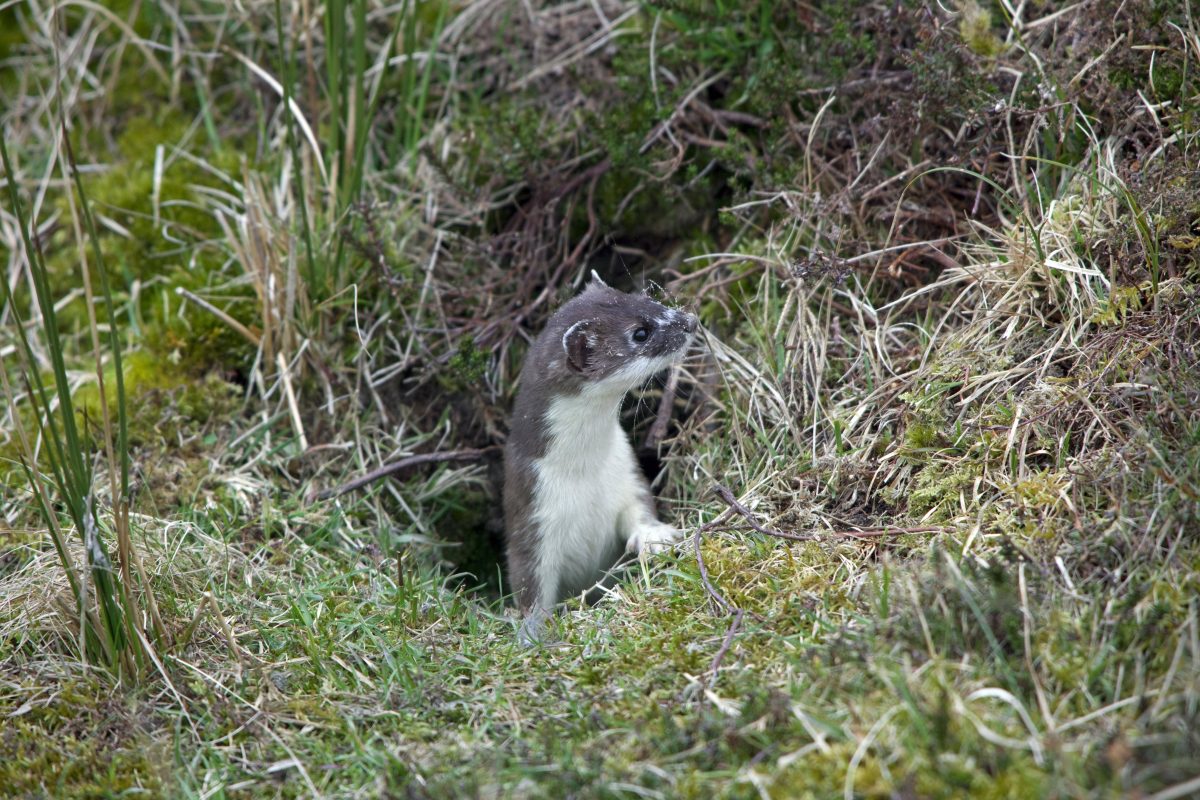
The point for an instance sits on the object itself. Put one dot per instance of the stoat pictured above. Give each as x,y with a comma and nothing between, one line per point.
575,499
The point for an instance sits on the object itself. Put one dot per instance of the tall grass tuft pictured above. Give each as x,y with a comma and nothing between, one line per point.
57,452
353,84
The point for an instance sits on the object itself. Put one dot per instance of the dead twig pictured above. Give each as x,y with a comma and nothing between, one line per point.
708,586
470,454
663,418
727,642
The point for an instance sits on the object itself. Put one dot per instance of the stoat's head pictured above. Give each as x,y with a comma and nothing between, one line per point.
616,340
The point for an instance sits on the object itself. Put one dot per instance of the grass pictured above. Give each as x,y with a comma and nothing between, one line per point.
946,266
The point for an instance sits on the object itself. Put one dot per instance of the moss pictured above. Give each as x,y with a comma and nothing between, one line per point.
168,413
145,262
958,776
1120,303
80,743
822,773
1043,489
33,761
921,437
127,193
975,27
162,404
939,488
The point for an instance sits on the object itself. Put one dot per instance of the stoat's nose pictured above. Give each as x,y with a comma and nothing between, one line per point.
690,321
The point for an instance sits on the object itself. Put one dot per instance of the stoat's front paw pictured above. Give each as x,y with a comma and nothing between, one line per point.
533,628
653,538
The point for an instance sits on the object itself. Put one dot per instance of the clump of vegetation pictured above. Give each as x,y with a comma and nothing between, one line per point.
938,448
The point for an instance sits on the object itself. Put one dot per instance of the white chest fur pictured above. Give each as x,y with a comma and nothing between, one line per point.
587,494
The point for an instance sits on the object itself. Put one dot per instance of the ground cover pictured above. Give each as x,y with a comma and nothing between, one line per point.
936,453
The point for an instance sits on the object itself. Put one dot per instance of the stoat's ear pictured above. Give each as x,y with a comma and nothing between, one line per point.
597,281
579,346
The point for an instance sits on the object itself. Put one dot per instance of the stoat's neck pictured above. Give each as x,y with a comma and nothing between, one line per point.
583,427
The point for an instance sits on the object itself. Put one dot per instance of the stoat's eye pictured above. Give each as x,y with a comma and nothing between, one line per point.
641,334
